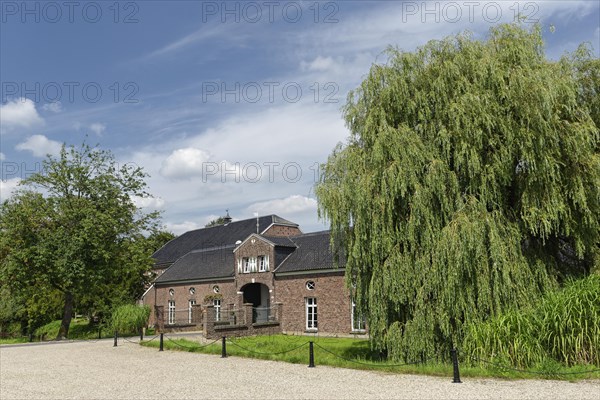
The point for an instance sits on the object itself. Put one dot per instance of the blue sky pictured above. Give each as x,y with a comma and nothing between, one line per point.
227,105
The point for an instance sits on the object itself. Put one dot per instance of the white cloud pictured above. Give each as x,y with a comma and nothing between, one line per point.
303,134
97,128
2,157
291,132
149,203
20,113
290,205
40,146
179,228
198,36
55,107
7,187
318,64
184,163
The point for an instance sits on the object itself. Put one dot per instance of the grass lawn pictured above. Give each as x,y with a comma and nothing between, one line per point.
350,353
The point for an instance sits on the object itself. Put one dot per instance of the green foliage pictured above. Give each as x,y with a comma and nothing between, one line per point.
11,310
564,327
10,330
81,328
209,298
215,222
470,185
75,232
130,318
158,239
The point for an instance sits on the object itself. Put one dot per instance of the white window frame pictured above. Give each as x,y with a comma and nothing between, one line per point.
217,305
191,303
263,263
253,266
171,312
246,264
311,313
240,267
357,320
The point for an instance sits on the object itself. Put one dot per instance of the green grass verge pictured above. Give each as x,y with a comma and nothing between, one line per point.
15,340
352,353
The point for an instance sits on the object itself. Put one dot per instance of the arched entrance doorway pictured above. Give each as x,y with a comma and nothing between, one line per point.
258,295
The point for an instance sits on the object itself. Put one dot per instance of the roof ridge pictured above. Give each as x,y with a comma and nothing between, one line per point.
275,239
327,231
227,246
230,223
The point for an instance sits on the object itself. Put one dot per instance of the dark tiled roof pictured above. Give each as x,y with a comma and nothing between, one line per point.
313,253
280,241
201,264
281,253
216,236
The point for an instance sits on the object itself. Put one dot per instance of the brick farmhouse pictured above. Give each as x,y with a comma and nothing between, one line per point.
253,276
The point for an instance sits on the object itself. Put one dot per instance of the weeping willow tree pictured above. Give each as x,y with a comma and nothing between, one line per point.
470,184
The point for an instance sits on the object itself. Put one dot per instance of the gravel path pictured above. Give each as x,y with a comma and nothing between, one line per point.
99,371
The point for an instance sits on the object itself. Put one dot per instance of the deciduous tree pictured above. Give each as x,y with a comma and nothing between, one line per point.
470,184
74,228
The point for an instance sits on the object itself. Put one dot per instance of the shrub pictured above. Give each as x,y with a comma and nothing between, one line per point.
563,327
130,318
10,329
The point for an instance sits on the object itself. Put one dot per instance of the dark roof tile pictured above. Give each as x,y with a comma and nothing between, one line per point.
201,264
216,236
313,253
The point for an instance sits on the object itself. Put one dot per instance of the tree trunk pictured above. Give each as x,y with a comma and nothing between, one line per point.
63,332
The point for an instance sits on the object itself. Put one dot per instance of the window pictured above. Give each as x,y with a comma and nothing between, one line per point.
217,304
311,313
249,264
310,285
171,292
192,291
263,263
358,320
216,289
171,315
191,305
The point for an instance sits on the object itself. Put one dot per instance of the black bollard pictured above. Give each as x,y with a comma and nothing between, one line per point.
141,334
160,348
311,355
116,335
454,355
224,347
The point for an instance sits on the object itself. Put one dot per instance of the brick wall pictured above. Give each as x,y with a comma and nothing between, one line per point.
250,249
333,302
282,230
242,327
160,296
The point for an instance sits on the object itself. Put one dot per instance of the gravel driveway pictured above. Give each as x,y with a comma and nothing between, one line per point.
83,370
